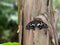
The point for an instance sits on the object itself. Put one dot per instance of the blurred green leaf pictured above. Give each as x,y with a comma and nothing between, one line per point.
11,43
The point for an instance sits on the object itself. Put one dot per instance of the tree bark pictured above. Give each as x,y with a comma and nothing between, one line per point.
30,9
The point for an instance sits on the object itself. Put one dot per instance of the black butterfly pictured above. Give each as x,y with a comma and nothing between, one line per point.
36,23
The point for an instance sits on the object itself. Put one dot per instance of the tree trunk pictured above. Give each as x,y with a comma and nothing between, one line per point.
30,9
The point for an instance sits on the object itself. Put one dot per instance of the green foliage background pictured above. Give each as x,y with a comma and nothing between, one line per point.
8,21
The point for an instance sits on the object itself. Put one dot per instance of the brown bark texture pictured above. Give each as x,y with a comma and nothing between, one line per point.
33,9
